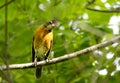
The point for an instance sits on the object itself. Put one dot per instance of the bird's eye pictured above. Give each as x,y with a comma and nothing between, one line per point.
50,22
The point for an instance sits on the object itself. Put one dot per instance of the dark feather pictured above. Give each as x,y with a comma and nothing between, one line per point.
38,72
38,69
33,51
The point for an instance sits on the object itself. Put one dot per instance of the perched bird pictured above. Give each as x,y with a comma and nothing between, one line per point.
41,45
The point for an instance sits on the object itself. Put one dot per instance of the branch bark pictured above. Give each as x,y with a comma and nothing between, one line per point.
64,57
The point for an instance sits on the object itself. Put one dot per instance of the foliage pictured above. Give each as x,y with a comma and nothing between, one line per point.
77,29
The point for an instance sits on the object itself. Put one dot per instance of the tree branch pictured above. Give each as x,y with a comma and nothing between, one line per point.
117,10
63,58
5,58
6,4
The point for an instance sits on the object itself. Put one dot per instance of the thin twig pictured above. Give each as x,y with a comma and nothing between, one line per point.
5,58
6,4
65,57
106,11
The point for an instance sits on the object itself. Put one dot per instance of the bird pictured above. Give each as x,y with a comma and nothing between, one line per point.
42,43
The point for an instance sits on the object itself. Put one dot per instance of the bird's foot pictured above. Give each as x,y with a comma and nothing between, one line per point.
35,62
47,60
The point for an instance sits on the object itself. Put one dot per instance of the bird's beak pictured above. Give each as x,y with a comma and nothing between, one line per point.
53,25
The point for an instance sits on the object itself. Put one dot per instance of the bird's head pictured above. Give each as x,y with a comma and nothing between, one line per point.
50,25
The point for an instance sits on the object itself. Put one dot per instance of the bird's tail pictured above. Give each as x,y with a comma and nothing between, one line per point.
38,72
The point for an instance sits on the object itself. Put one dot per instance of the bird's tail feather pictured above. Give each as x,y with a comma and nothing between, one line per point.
38,72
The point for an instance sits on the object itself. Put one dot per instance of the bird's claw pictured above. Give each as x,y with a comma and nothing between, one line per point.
35,62
47,60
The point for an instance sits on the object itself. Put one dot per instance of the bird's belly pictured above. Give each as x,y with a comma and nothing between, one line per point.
41,52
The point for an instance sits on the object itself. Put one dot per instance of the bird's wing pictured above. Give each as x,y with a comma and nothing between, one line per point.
47,54
33,51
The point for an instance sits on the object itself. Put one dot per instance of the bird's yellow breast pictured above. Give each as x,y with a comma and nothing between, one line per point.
42,41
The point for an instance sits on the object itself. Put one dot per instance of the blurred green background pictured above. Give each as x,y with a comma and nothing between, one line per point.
77,29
